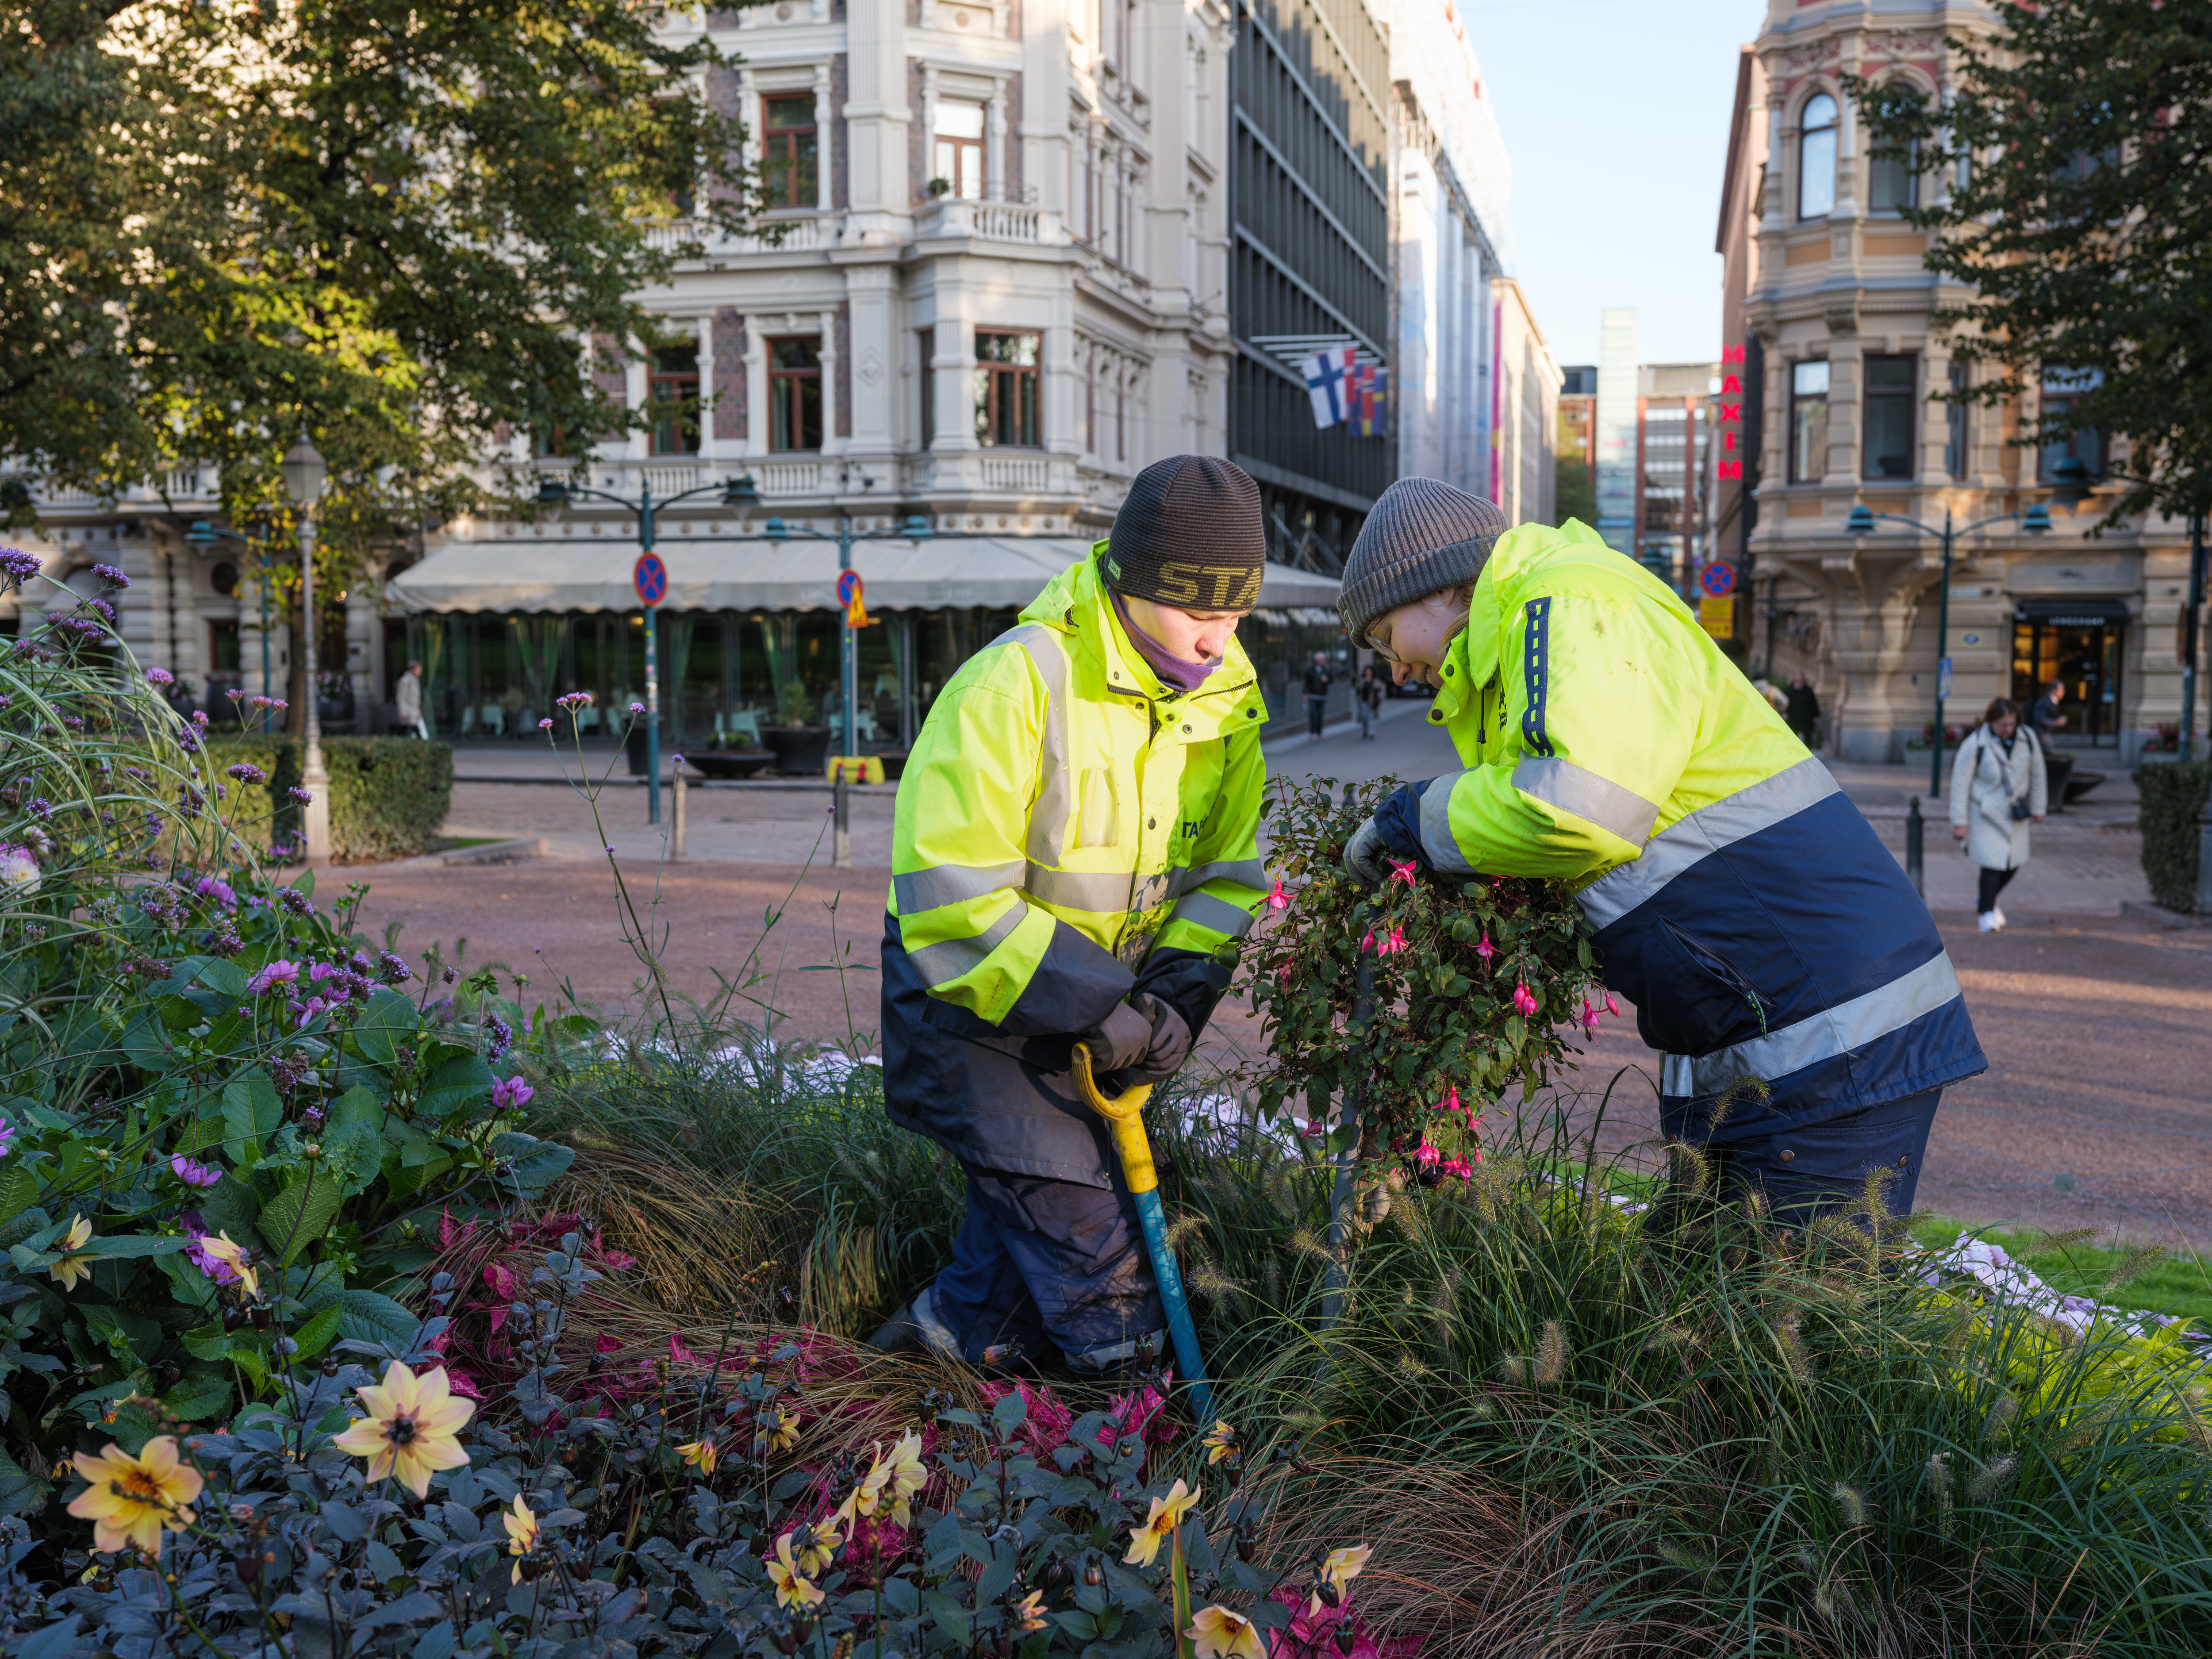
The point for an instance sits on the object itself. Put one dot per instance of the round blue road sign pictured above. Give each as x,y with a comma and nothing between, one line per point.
650,578
1717,580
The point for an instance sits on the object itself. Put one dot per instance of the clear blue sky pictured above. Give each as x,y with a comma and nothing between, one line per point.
1615,114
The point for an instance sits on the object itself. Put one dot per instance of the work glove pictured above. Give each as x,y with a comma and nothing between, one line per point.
1364,853
1142,1039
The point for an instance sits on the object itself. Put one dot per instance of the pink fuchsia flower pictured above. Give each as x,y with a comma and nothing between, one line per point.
1386,943
1458,1166
160,676
511,1094
1278,900
275,974
194,1175
1589,1017
1401,871
1425,1155
1450,1102
1611,1006
1486,950
1523,1001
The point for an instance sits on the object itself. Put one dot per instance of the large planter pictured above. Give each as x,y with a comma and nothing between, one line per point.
801,750
634,749
730,762
2058,768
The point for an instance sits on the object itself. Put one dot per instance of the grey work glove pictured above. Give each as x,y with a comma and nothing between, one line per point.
1118,1040
1169,1046
1364,853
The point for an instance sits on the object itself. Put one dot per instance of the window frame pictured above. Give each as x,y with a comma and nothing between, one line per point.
787,396
997,379
1910,164
1829,131
787,170
1800,399
926,338
1908,395
961,145
1957,460
663,385
2086,444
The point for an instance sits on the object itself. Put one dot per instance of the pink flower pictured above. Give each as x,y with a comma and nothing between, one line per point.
1425,1155
1590,1017
1450,1102
1278,900
1523,1001
1611,1006
1401,871
307,1011
510,1095
1458,1166
1486,950
1394,941
275,974
194,1175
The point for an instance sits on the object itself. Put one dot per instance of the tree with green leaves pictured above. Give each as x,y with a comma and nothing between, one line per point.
409,230
2071,175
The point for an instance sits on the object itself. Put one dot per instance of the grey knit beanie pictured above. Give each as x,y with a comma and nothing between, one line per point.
1420,538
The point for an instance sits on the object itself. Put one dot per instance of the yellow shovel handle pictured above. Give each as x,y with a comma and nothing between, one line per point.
1124,1115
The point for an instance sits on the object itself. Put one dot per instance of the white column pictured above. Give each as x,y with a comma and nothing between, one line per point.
994,142
824,141
756,384
831,443
709,445
928,122
749,112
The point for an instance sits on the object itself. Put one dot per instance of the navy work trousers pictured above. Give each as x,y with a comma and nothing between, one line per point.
1044,1263
1823,1167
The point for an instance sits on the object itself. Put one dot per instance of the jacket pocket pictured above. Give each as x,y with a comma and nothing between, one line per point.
1697,1001
1098,817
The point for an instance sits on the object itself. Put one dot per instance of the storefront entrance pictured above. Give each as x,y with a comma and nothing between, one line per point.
2080,646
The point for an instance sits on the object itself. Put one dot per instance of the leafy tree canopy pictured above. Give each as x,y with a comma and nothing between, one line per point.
2074,162
407,228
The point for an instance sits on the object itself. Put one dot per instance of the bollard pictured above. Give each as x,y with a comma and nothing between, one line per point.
677,810
2204,861
842,856
1916,851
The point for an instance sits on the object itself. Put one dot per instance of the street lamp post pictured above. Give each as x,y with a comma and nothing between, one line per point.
915,528
736,493
2036,520
2189,635
305,473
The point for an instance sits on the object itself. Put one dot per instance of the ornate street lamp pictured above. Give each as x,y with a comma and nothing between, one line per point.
305,473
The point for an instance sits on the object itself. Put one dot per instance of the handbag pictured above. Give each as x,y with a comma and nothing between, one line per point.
2020,802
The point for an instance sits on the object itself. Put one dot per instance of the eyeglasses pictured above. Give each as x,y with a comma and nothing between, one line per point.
1383,650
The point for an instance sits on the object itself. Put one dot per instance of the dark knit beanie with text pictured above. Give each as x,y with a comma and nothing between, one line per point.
1190,535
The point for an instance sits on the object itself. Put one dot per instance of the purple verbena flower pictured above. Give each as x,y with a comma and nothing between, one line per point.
499,1037
299,795
111,575
160,676
18,566
295,901
395,968
245,772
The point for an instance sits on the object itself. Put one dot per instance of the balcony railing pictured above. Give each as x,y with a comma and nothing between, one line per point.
797,233
990,221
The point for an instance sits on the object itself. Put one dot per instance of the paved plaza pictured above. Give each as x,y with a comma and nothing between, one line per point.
2096,1111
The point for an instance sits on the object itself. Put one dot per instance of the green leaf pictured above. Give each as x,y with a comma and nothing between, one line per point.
462,1082
200,1396
18,1188
207,1342
536,1164
19,1493
319,1333
251,1110
384,1026
369,1316
230,1206
223,976
138,1244
300,1214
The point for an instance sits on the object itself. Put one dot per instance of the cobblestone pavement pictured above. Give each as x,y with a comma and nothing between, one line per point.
2096,1110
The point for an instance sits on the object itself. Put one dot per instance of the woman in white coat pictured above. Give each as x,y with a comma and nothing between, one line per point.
1997,790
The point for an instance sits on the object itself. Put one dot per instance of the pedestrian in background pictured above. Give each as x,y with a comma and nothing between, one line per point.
1997,790
1318,680
2043,715
1367,701
1802,710
407,701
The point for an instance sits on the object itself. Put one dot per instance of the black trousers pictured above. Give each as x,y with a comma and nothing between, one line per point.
1316,708
1823,1167
1993,882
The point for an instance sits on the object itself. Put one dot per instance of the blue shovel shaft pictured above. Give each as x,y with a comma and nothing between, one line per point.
1188,1360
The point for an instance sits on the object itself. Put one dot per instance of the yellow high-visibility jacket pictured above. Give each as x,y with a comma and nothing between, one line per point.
1740,899
1068,829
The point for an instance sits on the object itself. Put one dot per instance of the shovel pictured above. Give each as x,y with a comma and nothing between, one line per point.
1124,1116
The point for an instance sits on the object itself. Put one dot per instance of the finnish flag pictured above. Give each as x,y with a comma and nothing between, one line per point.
1329,383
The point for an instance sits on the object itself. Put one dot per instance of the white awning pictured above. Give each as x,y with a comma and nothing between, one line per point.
754,574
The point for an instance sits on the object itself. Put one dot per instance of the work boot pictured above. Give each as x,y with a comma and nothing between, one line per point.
914,1329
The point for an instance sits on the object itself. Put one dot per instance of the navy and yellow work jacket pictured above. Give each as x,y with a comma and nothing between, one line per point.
1068,829
1776,954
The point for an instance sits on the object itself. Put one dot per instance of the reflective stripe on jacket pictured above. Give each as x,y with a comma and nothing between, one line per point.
1740,900
1066,828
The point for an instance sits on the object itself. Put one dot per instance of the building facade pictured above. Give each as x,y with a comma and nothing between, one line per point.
1673,469
1826,317
1524,427
1308,142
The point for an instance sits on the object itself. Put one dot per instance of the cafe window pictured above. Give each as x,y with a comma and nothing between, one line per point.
1816,158
789,176
1808,422
1886,449
673,389
794,393
928,380
959,147
1006,390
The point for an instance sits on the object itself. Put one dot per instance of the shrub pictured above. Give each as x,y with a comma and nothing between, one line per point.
389,796
2173,795
191,1052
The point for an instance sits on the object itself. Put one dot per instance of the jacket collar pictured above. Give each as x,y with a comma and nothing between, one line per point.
1075,605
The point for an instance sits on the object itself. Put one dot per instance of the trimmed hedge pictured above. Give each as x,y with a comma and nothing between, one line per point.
2173,795
389,796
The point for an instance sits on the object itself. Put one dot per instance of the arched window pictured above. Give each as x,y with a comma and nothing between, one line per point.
1816,158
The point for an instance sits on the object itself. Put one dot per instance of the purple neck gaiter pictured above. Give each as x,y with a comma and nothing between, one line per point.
1173,670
